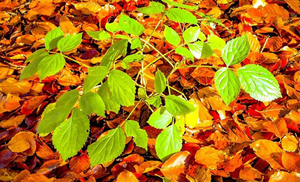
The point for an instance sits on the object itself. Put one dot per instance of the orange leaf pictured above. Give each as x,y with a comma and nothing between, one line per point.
294,4
31,104
209,157
249,173
13,121
282,176
201,174
43,151
268,151
126,176
176,165
36,177
23,174
13,86
80,163
147,166
289,143
67,26
278,127
291,161
23,142
274,43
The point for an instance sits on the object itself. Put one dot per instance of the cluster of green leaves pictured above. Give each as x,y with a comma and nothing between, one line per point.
118,89
254,79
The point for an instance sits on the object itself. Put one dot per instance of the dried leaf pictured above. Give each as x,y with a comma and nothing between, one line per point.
126,176
23,142
209,157
268,151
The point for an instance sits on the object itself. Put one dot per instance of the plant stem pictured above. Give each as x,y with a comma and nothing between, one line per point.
203,66
158,52
74,60
150,36
131,112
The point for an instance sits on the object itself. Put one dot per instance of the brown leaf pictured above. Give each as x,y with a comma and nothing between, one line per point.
268,151
6,157
36,177
126,176
13,121
23,142
80,163
7,174
9,103
176,165
274,43
88,8
23,174
209,157
44,151
31,104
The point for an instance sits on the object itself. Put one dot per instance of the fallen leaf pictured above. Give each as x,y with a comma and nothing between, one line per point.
13,86
268,151
282,176
36,177
177,164
289,143
126,176
13,121
209,157
23,142
80,163
291,162
249,173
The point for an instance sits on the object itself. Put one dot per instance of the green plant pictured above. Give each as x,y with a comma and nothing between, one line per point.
118,89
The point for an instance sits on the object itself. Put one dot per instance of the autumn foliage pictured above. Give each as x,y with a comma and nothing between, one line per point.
243,135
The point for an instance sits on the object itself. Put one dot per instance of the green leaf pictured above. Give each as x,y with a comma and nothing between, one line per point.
142,93
34,59
130,25
178,106
152,9
216,42
122,87
68,99
108,147
52,38
140,137
191,34
227,84
171,36
181,16
185,53
200,50
133,58
160,82
161,118
136,43
70,136
69,42
119,36
202,36
112,27
236,50
99,35
119,48
95,75
53,118
105,94
173,3
50,65
92,103
155,101
259,83
168,142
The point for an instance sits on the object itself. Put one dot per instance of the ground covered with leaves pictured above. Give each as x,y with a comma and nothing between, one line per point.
247,140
